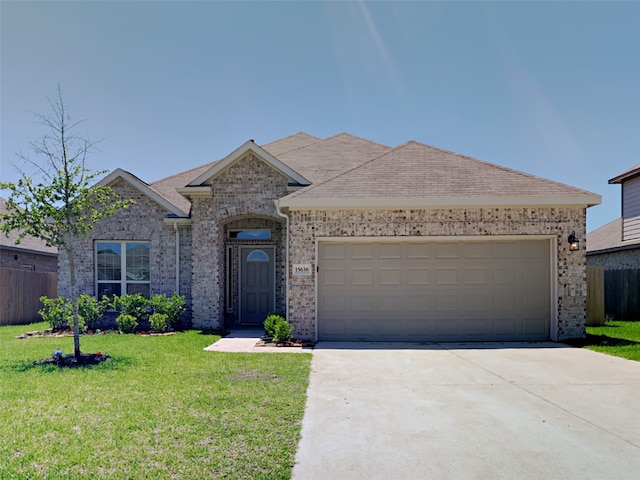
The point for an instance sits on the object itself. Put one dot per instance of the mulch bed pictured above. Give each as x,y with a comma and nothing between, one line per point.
71,360
68,333
266,341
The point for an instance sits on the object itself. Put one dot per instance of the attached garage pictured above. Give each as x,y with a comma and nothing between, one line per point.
440,289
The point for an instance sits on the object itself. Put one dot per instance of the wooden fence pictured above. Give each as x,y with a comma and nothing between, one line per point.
20,292
622,294
595,295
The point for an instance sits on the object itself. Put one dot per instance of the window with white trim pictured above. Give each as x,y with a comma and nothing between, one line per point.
122,267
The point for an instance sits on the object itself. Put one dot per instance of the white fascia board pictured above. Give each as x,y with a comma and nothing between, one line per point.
241,151
431,202
143,187
193,192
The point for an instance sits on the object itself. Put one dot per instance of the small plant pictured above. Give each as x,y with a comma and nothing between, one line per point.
126,323
90,309
608,318
159,322
270,323
173,307
132,304
57,311
283,331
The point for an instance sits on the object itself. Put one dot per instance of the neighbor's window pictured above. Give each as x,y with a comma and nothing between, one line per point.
122,267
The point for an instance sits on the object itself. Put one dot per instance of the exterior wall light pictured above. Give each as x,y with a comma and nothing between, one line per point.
574,243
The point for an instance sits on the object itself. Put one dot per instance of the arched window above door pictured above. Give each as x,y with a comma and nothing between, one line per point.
257,256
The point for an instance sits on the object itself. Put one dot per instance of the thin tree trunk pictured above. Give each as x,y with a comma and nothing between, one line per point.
74,302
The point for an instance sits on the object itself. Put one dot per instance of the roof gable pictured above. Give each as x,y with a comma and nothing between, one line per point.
239,153
143,187
626,175
415,174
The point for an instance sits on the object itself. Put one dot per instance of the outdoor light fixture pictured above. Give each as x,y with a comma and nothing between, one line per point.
574,243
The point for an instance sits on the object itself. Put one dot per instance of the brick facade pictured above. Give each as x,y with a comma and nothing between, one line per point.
570,273
19,259
141,221
617,260
242,194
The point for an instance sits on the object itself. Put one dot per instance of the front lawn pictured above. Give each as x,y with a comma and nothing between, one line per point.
160,408
618,338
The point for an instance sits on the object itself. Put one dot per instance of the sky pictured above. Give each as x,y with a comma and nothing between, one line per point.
548,88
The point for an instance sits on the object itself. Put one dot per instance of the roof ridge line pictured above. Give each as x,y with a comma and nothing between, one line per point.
313,186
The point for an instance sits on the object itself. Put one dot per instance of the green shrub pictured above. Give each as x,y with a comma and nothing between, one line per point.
159,322
57,311
126,323
90,309
173,307
132,304
283,331
270,323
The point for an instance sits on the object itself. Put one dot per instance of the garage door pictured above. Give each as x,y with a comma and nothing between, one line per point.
436,291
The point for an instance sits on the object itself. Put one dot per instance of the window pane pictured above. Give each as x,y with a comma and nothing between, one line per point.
108,260
138,261
141,288
251,234
257,256
108,289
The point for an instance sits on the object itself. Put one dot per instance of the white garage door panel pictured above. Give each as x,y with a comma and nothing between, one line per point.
473,290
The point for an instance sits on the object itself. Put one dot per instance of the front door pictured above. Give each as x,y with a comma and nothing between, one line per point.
257,283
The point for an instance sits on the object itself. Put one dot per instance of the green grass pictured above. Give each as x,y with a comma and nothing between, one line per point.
160,408
618,338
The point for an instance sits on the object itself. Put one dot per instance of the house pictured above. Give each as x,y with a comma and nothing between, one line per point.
353,240
27,272
30,254
616,247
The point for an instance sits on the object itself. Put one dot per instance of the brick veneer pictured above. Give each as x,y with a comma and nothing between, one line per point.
17,259
141,221
307,225
247,189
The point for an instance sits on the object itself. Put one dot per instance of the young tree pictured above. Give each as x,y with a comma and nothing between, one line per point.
62,204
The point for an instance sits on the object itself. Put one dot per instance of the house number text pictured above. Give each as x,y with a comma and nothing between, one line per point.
302,269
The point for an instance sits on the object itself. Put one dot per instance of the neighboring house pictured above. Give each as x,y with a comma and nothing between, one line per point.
30,254
353,240
616,247
27,272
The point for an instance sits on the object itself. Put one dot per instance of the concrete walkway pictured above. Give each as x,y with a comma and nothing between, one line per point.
469,411
245,341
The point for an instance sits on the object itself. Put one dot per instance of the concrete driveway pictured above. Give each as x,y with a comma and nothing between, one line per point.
477,411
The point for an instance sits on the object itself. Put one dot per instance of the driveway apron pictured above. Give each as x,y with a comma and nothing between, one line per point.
477,411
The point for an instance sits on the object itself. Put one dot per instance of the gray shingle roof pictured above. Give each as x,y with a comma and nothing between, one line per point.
609,237
332,156
346,166
417,170
29,243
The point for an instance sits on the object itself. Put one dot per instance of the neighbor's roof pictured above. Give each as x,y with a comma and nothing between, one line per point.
627,174
609,238
27,244
415,174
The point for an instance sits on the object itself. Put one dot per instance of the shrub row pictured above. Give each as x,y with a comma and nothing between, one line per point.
162,312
